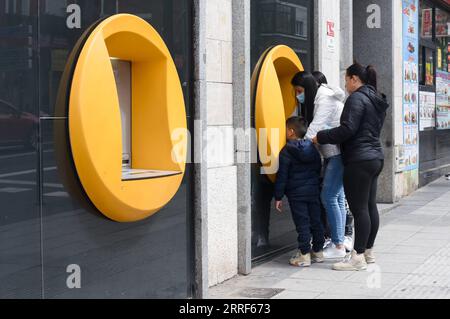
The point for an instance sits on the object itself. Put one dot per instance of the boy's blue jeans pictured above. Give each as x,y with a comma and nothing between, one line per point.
333,198
306,216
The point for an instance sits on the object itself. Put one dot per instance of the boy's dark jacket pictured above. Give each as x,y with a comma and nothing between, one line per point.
299,171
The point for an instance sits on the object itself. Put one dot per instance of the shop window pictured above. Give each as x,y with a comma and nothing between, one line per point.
427,49
426,66
429,67
442,40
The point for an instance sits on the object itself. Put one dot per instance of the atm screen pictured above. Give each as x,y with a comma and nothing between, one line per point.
122,73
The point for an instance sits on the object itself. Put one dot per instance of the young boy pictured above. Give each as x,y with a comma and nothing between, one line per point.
298,178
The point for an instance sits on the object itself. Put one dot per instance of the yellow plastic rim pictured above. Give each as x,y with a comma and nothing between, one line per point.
158,110
274,102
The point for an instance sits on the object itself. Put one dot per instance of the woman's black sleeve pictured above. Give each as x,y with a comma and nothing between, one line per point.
350,122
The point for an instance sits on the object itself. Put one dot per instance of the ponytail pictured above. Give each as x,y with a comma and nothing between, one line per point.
368,75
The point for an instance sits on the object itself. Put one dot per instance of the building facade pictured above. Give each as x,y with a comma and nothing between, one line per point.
55,242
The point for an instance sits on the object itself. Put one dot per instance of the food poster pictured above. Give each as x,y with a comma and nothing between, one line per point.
442,100
408,153
427,107
427,23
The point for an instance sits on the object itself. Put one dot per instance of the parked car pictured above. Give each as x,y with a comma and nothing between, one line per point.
17,127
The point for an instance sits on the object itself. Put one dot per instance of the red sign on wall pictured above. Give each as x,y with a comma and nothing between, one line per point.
330,29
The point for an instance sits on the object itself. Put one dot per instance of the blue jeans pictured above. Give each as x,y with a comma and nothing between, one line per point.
333,198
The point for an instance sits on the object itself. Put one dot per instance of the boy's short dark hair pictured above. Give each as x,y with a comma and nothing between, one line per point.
299,125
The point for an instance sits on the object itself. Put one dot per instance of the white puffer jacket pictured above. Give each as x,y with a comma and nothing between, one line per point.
328,108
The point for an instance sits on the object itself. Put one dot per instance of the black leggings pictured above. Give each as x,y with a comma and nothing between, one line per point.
360,183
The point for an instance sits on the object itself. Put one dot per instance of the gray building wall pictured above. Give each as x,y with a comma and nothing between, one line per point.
346,33
366,43
242,123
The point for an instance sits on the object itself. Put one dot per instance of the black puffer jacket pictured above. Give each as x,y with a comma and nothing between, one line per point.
299,171
361,123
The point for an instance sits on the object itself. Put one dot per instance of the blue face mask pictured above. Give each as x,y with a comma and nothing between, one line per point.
301,98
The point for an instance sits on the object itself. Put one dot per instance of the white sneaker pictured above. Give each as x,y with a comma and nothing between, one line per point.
348,243
328,243
355,262
334,253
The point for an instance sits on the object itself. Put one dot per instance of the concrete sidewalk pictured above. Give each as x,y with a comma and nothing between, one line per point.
413,260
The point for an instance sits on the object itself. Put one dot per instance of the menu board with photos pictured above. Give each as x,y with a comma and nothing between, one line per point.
442,100
408,153
442,22
427,107
427,23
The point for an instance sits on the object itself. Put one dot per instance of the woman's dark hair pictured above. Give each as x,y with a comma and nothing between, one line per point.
368,75
309,83
320,77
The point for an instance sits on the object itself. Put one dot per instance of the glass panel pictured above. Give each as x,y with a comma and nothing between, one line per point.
170,18
148,259
284,19
442,73
301,18
287,22
273,23
20,261
442,39
421,66
117,260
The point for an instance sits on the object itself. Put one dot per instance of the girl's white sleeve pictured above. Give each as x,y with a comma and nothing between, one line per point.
324,111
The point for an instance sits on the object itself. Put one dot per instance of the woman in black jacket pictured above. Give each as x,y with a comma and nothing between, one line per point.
359,136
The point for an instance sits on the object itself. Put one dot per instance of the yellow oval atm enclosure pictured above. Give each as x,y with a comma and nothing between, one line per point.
274,102
96,137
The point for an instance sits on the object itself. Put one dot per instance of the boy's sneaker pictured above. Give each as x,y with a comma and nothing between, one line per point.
317,258
348,243
370,258
353,262
334,253
299,260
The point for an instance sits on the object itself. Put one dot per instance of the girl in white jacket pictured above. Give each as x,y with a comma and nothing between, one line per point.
328,107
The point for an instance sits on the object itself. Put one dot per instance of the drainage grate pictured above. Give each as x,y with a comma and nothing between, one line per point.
259,293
